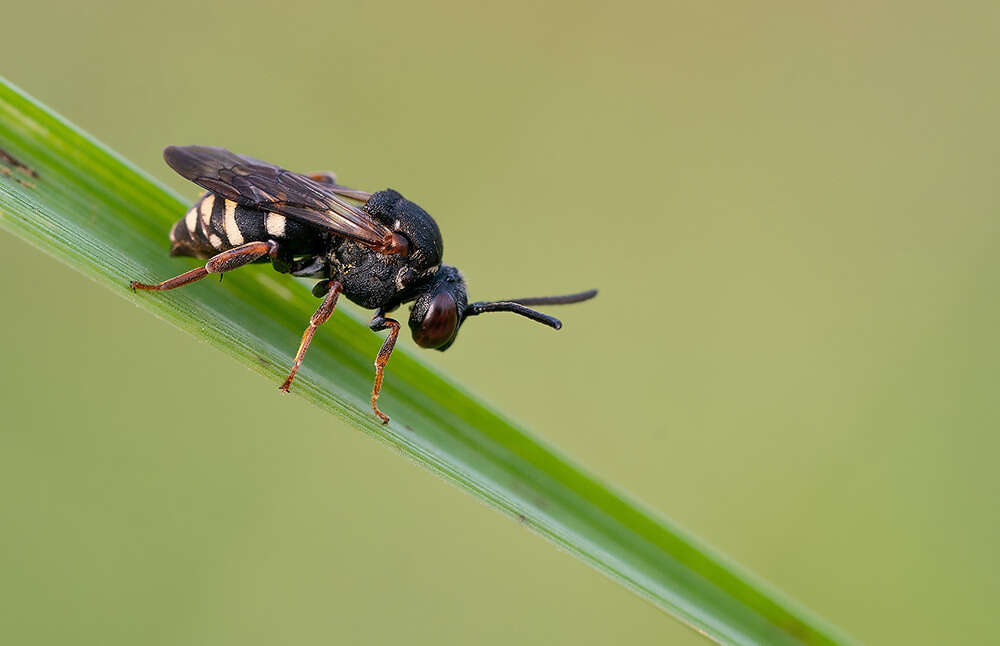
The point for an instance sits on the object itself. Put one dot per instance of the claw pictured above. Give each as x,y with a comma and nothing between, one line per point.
382,416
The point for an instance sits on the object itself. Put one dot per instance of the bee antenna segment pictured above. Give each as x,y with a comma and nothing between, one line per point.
474,309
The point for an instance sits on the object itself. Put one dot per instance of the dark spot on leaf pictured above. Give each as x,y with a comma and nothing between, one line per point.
14,162
6,173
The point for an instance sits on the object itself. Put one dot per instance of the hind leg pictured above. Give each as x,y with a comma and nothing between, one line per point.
218,264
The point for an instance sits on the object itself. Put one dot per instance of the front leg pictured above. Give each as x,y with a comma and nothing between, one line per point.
381,322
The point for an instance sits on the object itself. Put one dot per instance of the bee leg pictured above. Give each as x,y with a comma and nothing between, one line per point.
282,262
380,322
330,179
320,317
218,264
311,267
324,177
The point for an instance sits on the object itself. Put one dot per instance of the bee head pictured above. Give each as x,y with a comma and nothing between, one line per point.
438,312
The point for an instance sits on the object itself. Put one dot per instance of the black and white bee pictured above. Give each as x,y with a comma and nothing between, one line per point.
380,254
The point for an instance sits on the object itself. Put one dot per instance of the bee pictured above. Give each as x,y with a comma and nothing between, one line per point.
379,250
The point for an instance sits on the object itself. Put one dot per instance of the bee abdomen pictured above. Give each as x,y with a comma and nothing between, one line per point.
214,224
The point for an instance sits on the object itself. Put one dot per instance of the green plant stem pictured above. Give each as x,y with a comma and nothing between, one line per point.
94,211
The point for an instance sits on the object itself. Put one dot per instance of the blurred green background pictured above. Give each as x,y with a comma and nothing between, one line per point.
790,209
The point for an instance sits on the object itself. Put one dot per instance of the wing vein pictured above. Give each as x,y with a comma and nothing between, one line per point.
266,187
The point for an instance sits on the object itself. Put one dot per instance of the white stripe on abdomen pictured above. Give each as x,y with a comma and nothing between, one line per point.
232,229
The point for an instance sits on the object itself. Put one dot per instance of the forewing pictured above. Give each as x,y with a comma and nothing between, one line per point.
267,187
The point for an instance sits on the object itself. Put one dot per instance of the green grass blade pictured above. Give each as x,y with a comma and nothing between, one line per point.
99,214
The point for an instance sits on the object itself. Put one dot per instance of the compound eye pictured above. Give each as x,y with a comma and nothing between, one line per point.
440,322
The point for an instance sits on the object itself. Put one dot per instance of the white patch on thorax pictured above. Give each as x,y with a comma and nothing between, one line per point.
232,230
275,225
215,241
399,277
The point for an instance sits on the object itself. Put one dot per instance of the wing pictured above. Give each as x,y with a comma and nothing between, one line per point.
267,187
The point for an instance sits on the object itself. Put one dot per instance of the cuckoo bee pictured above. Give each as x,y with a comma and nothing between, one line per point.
378,249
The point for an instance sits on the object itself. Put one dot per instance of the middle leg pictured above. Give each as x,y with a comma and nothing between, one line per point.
321,316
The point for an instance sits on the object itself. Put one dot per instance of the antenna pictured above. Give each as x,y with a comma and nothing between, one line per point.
517,305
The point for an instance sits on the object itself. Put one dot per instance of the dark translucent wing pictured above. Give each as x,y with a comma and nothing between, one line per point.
267,187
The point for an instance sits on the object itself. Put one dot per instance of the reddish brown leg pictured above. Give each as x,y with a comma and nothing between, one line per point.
175,282
324,177
320,317
380,322
217,264
330,179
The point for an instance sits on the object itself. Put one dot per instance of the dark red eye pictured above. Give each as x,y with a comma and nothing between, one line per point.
440,322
